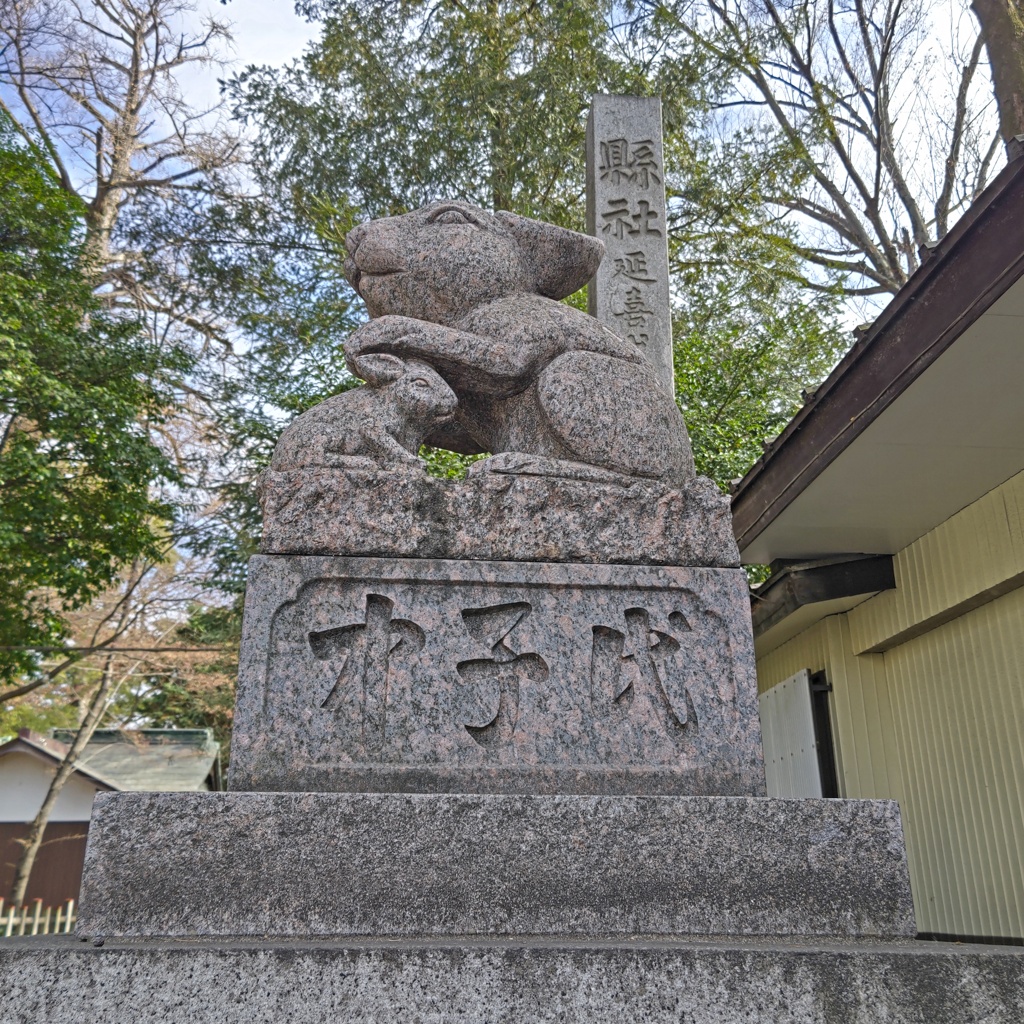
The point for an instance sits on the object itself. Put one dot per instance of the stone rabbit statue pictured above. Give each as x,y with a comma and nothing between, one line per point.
475,295
379,425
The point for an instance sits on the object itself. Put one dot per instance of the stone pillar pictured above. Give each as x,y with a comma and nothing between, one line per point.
626,210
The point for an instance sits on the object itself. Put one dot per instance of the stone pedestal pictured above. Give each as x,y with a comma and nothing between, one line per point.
419,675
489,740
525,981
249,908
492,516
496,753
416,865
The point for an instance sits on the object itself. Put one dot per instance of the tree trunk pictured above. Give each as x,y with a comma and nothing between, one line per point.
1002,25
34,839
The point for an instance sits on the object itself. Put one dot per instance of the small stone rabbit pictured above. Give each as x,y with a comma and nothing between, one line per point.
376,426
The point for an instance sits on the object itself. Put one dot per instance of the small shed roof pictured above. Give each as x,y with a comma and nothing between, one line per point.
155,760
169,760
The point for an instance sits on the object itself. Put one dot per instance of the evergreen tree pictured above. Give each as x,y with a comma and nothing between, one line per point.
80,392
398,104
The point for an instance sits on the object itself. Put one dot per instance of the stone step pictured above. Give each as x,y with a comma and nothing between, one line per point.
397,864
753,981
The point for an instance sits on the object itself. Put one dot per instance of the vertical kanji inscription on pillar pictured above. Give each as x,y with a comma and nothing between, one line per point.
626,210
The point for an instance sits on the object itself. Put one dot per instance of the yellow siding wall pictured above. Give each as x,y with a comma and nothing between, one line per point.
958,695
936,720
975,554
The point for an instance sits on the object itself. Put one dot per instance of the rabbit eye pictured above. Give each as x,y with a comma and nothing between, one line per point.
450,215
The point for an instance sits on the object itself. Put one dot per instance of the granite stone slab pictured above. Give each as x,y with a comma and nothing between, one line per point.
306,864
493,515
49,981
420,675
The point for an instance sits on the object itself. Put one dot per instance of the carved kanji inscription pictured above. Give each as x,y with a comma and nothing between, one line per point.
495,682
414,670
368,648
635,656
631,162
626,209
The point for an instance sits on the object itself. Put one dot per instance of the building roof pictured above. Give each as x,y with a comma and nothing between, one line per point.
923,415
53,751
159,760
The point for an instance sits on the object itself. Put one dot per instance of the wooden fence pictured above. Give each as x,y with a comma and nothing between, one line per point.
36,919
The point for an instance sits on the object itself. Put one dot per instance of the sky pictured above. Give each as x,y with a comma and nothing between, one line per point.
263,32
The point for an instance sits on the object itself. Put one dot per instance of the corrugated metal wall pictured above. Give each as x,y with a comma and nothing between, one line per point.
958,696
937,720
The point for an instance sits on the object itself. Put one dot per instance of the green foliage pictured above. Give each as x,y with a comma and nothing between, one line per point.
285,291
740,377
190,702
80,393
35,715
447,465
277,308
748,342
400,103
751,333
198,693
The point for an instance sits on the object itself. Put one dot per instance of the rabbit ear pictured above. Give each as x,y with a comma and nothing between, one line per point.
378,367
560,261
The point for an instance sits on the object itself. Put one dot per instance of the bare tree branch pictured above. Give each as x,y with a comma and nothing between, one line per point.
842,86
942,204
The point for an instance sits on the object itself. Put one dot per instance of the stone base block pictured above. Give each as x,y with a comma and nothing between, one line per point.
47,981
376,674
496,516
289,864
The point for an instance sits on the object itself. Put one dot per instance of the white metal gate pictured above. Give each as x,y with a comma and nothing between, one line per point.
791,760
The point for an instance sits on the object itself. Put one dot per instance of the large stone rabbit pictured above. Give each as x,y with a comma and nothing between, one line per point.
475,295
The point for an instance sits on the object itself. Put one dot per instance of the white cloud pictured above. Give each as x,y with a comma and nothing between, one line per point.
263,32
